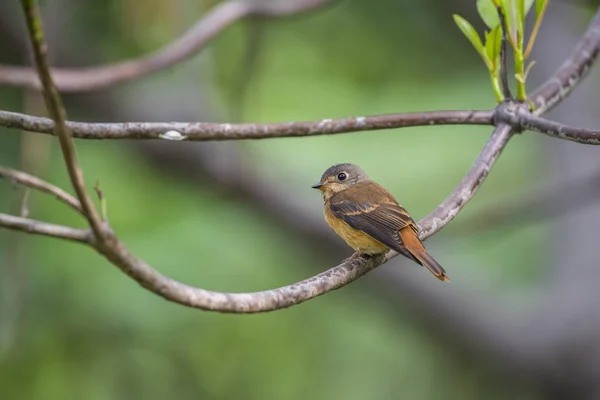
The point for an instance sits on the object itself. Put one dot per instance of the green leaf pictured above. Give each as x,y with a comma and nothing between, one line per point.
487,12
528,5
519,10
493,39
471,34
509,12
498,41
522,9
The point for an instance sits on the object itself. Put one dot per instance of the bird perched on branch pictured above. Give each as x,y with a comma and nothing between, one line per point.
369,218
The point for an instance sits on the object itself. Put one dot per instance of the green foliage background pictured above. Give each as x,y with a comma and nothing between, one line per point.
85,331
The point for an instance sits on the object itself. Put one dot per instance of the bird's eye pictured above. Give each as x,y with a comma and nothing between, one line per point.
342,176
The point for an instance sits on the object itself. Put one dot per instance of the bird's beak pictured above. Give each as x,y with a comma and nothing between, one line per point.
317,186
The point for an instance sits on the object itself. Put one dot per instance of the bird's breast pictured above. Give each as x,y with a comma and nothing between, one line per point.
355,238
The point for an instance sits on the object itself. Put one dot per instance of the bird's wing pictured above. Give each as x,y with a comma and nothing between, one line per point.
373,210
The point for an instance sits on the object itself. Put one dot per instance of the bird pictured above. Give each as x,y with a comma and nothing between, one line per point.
369,219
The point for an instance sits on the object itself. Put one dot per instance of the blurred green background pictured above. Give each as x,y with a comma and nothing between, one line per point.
72,326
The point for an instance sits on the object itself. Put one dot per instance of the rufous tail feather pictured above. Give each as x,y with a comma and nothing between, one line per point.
418,251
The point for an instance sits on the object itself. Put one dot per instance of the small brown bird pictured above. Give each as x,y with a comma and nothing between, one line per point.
369,219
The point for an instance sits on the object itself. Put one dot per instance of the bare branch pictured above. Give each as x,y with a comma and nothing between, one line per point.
43,228
467,188
268,300
332,279
520,118
58,113
116,253
299,292
190,43
527,208
31,181
572,70
205,131
557,130
335,277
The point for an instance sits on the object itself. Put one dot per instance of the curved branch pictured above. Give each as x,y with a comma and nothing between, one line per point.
43,228
572,70
239,303
205,131
533,206
31,181
469,185
334,278
190,43
114,251
110,247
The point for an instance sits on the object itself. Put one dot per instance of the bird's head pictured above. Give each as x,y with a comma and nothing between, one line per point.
340,177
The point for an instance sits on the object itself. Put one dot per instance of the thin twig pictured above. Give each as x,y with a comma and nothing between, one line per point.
535,30
183,48
59,115
503,68
205,131
253,49
31,181
45,229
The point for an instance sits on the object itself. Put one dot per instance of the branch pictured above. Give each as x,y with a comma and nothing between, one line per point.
31,181
571,72
519,117
205,131
58,113
190,43
554,129
286,296
43,228
525,208
469,185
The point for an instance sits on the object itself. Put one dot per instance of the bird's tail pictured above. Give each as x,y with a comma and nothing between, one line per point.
433,266
418,251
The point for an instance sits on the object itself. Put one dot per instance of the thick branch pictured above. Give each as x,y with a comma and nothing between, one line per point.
336,277
205,131
467,188
533,206
297,293
572,70
190,43
332,279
